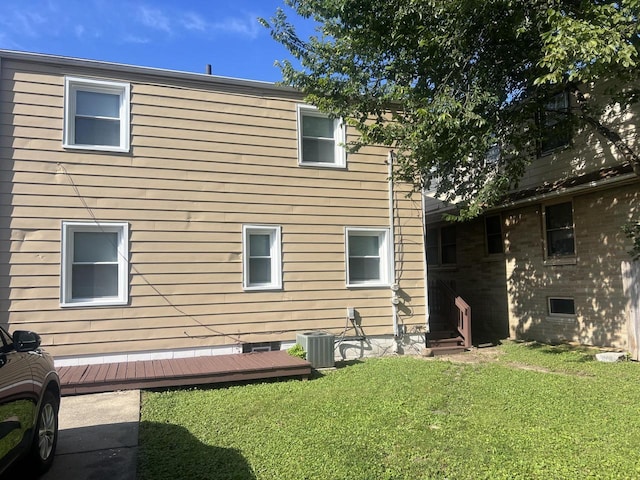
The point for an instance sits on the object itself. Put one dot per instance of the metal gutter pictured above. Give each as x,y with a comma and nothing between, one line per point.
594,185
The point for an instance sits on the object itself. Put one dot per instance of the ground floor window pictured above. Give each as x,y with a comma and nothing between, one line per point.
368,257
442,245
262,259
493,230
95,259
559,231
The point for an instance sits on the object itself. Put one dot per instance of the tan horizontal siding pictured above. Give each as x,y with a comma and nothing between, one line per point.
205,160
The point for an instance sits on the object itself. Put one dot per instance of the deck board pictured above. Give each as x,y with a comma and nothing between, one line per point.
181,372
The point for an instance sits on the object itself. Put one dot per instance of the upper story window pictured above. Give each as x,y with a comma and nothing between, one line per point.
493,230
554,125
262,258
559,230
320,139
95,259
368,257
96,114
442,246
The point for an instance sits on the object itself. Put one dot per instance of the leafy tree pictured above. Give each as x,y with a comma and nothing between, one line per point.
443,82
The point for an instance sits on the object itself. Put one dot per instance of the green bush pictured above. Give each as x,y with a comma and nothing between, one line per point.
297,351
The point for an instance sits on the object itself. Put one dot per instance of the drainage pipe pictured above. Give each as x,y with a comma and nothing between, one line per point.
392,250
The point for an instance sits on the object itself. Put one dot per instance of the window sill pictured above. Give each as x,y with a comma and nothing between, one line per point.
96,303
559,261
369,285
336,166
562,319
554,150
263,288
96,148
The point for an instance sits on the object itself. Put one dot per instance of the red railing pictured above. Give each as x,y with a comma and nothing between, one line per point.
464,320
449,310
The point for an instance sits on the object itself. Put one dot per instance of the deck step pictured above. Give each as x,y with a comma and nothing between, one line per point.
444,339
445,350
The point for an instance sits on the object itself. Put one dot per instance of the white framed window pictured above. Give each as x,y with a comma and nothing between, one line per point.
96,114
261,257
561,306
559,230
95,264
368,257
321,139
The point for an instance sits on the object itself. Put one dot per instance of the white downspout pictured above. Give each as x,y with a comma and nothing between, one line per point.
392,243
427,327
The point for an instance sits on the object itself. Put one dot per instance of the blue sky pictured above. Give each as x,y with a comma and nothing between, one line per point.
174,35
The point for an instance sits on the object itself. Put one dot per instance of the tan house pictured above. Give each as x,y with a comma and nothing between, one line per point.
156,214
551,263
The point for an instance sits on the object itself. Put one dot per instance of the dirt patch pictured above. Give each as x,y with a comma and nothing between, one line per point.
474,355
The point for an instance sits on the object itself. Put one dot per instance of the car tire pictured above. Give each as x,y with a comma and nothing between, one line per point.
45,437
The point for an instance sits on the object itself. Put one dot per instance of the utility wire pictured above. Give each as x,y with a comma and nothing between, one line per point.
140,274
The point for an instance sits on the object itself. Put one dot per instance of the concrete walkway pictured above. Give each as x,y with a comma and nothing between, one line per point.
98,437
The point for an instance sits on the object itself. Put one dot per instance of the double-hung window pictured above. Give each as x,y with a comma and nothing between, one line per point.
320,139
442,246
559,230
368,257
493,231
554,123
96,114
262,258
95,259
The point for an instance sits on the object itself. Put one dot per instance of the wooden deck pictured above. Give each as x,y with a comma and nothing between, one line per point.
108,377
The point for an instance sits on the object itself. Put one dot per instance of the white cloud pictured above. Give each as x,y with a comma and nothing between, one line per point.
25,23
246,27
136,39
9,43
193,21
154,18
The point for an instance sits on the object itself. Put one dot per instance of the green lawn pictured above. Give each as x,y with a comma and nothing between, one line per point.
532,412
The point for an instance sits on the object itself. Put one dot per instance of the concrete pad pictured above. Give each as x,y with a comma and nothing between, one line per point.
98,437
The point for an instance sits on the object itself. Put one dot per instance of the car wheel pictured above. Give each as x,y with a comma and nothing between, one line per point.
46,435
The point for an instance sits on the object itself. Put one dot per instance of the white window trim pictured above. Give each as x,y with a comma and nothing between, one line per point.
385,257
71,86
564,315
339,131
68,228
275,233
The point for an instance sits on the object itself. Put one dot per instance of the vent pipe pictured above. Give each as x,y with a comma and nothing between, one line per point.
207,69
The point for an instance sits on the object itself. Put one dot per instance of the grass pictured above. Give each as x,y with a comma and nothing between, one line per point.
533,412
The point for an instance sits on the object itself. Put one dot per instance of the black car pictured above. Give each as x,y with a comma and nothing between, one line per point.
29,402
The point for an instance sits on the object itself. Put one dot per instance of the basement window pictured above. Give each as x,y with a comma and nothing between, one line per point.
562,306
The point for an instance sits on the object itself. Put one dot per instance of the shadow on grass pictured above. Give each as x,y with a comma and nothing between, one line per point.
171,452
580,353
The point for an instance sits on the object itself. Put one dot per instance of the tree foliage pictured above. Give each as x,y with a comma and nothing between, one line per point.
442,82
